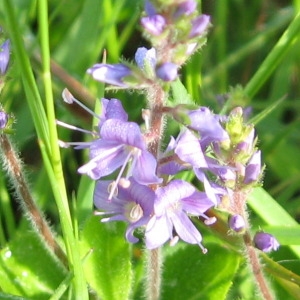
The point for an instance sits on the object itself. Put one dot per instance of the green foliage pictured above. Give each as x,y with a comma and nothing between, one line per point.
188,274
107,263
28,269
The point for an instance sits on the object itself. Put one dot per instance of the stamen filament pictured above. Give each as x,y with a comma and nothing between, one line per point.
65,125
112,192
63,144
69,98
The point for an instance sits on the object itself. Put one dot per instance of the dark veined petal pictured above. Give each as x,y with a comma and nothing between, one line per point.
127,133
196,204
112,109
105,160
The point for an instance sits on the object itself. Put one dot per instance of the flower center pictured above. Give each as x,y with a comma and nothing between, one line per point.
133,212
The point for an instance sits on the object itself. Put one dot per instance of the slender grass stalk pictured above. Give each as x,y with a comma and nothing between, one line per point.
111,20
287,40
113,44
6,209
80,287
32,94
221,16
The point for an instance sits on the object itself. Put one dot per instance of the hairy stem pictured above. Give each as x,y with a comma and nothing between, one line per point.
13,165
240,198
156,98
153,274
257,268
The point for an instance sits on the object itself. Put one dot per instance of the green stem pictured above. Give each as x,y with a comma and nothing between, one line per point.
288,39
31,90
6,209
58,183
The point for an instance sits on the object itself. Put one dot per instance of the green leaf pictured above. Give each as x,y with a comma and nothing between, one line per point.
288,235
190,274
107,265
28,269
179,94
10,297
271,212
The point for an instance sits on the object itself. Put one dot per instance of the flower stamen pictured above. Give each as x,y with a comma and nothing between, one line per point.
69,98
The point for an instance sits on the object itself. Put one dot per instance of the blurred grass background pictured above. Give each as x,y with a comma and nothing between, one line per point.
242,35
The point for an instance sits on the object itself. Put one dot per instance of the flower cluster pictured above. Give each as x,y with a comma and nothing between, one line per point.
220,150
175,31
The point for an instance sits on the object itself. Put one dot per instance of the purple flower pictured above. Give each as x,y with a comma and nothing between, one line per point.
167,71
208,125
3,119
132,203
265,242
154,24
188,150
199,26
112,109
237,223
121,144
172,205
111,74
4,56
253,168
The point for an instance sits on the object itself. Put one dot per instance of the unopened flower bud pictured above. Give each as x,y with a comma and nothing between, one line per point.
111,74
185,8
4,56
3,119
154,24
236,223
199,26
265,242
228,176
253,168
167,71
146,60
